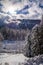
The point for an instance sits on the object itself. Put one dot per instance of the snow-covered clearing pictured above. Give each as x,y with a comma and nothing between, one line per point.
20,59
13,59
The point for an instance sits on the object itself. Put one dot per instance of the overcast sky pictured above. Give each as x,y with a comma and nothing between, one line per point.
21,8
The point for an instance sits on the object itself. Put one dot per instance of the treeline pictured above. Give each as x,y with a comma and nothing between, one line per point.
12,34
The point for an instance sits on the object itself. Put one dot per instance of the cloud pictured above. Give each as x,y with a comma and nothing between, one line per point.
10,5
21,8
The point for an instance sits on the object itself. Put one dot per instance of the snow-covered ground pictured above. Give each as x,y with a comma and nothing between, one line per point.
20,59
12,59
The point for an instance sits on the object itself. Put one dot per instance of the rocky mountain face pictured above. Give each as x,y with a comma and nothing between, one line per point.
34,44
14,31
19,23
